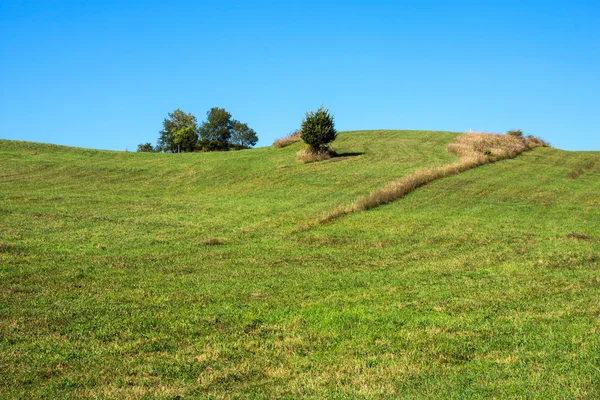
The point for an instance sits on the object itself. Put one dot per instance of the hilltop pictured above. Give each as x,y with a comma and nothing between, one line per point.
132,274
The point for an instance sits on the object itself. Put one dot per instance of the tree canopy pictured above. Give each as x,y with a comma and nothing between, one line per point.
181,133
318,129
217,127
243,136
145,148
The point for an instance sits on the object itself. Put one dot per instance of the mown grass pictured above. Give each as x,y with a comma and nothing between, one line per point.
146,275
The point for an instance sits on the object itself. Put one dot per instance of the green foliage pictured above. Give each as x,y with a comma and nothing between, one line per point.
221,132
318,129
145,148
212,145
242,135
179,133
185,137
217,127
515,132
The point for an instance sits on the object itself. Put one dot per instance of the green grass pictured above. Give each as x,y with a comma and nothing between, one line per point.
128,275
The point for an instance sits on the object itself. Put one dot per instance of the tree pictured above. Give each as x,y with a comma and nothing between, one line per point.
243,136
145,148
217,127
219,132
185,137
318,129
179,133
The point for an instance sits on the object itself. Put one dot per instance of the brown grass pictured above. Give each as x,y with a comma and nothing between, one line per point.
532,141
472,147
309,155
291,138
473,150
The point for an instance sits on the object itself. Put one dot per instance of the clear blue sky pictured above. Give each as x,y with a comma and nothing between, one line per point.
104,74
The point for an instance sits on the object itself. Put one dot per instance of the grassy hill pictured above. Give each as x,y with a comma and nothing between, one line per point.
132,275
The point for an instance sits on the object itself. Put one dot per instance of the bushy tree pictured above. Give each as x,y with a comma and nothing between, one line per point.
217,127
318,129
221,132
179,133
242,135
145,148
186,137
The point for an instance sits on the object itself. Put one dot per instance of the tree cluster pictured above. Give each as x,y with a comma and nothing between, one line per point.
181,133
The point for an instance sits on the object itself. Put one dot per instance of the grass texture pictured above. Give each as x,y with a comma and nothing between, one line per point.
135,275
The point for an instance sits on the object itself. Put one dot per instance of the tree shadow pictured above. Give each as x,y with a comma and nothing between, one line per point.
348,154
344,156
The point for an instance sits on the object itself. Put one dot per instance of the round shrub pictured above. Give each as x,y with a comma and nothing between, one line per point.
317,129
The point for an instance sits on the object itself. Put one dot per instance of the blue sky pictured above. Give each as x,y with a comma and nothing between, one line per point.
104,74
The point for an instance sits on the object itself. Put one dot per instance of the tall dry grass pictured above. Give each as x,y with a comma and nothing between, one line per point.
486,147
308,155
291,138
472,149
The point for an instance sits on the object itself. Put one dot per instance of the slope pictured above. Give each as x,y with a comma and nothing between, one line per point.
131,275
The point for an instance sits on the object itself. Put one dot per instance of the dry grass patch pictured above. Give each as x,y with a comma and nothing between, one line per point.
486,147
309,155
291,138
532,142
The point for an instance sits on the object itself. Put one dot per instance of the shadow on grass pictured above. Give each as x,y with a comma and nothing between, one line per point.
348,154
344,156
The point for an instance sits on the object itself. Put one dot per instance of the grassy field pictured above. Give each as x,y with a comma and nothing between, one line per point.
131,275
